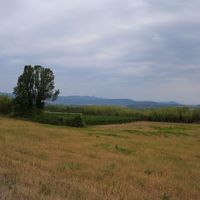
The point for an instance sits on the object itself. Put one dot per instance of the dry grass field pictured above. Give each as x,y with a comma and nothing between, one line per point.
141,160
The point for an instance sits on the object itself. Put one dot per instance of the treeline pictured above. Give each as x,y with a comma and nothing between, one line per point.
184,114
35,87
80,115
8,107
94,110
172,114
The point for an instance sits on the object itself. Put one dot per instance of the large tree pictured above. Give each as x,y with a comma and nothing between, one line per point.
34,87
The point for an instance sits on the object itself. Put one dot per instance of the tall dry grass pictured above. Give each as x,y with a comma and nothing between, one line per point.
141,160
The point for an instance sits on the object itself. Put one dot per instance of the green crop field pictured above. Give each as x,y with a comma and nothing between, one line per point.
138,160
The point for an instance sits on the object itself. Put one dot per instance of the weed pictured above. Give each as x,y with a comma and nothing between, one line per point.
9,179
165,196
133,131
108,134
123,150
70,165
92,155
45,189
105,146
108,170
170,130
43,156
148,171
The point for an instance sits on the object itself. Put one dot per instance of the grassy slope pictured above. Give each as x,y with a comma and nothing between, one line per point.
140,160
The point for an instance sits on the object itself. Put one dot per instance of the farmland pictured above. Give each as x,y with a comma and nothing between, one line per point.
138,160
94,115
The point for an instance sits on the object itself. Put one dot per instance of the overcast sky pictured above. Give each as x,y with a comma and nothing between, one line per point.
138,49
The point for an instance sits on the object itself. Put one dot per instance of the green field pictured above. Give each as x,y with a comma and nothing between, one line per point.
139,160
107,119
115,114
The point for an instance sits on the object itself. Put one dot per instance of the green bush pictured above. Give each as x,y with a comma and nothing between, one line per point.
59,119
6,104
77,121
113,114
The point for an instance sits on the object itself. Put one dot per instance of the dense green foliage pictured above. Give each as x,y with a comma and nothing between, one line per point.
80,116
107,119
59,119
34,87
77,121
112,114
173,115
96,110
6,104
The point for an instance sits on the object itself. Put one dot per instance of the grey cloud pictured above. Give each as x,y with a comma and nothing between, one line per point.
133,46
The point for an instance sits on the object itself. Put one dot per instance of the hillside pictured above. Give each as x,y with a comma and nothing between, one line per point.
88,100
91,100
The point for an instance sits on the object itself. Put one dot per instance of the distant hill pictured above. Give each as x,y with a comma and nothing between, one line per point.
152,104
88,100
91,100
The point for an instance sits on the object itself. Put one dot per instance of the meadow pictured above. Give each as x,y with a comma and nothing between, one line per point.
138,160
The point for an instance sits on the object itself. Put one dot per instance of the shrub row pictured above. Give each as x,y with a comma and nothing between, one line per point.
184,114
107,119
95,110
60,119
79,115
102,113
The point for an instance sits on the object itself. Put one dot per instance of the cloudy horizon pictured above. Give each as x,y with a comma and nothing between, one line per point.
142,50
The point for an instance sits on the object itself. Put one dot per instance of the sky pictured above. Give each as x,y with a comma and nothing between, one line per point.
137,49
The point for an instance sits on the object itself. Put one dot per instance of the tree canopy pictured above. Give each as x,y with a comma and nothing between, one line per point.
34,87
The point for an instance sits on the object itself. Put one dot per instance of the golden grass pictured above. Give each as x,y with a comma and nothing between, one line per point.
141,160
